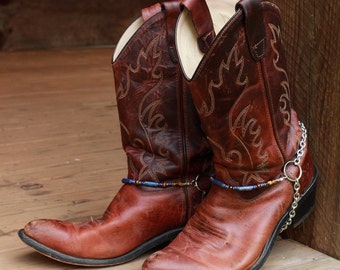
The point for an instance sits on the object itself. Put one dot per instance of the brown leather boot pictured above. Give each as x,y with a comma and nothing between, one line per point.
166,149
264,177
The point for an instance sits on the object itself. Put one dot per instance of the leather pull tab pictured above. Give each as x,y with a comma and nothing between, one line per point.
255,28
148,12
172,11
203,23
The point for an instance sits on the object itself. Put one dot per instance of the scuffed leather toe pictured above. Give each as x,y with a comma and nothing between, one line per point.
53,234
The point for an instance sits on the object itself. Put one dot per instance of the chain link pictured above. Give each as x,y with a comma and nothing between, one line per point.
296,181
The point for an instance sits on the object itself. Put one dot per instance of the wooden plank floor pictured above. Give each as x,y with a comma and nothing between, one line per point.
60,152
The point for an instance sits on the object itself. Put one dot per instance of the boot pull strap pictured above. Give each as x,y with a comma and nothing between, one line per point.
172,11
148,12
255,29
203,23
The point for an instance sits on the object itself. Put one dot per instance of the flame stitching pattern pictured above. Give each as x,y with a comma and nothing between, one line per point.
147,116
254,129
285,97
236,157
243,123
122,91
224,65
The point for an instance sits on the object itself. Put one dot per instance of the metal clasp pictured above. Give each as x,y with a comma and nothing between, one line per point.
290,178
195,183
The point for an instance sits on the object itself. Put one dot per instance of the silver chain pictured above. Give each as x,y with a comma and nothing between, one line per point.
296,162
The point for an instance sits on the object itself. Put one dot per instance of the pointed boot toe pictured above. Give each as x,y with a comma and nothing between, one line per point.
52,238
43,229
125,231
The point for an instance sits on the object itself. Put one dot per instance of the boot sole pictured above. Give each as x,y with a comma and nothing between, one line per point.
133,254
304,209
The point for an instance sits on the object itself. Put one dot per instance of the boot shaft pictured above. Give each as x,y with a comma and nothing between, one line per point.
160,128
242,94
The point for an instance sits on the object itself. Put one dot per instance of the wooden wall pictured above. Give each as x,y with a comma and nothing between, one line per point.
45,24
311,36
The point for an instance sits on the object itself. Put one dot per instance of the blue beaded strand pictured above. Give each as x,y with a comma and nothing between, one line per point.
155,184
245,188
214,180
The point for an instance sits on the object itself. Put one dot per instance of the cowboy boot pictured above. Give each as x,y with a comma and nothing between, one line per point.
264,178
166,150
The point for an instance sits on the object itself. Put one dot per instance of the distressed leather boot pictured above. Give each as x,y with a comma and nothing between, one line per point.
264,177
167,153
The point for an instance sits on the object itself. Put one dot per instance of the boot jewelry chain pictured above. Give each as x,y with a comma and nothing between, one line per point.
296,162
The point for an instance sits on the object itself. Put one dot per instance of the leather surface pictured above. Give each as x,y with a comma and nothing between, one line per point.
224,232
245,110
254,27
163,141
133,217
160,129
229,229
150,11
245,105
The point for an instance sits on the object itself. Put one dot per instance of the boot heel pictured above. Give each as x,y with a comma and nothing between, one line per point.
306,203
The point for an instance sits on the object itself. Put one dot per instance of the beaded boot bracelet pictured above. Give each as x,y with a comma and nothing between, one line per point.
164,184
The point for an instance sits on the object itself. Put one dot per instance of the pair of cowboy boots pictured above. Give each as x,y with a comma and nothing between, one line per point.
204,107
